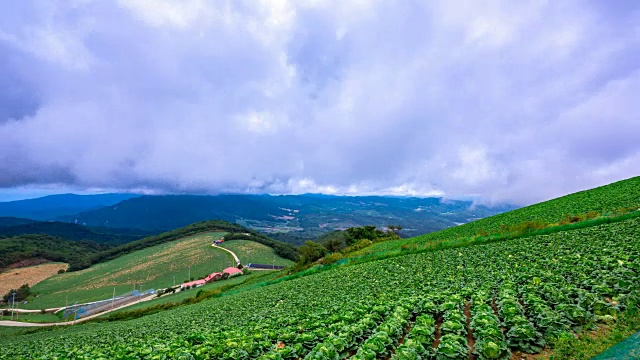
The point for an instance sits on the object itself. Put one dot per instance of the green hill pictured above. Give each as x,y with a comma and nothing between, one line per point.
152,267
608,199
8,221
82,254
494,300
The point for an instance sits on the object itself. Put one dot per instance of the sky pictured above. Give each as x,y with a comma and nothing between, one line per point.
503,101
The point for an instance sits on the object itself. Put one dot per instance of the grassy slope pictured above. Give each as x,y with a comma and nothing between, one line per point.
253,252
604,199
32,317
155,267
286,297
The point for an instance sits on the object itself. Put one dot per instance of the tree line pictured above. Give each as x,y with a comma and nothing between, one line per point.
333,245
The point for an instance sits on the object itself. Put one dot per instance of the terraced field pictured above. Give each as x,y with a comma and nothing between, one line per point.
153,267
489,301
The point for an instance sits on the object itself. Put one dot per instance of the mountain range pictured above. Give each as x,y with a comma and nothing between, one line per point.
292,218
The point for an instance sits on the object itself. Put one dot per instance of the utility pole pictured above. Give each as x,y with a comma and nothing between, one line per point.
75,316
113,299
174,280
189,277
14,304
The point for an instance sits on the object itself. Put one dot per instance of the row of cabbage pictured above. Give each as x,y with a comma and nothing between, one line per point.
491,300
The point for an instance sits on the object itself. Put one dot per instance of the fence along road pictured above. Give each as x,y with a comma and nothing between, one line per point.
27,324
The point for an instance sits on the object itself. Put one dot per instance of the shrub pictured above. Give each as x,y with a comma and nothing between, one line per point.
361,244
330,259
311,251
21,293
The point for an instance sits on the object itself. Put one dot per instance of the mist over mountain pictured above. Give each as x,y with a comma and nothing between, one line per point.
53,206
306,216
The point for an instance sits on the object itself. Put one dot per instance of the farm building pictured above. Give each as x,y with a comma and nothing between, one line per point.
225,274
213,277
232,271
195,283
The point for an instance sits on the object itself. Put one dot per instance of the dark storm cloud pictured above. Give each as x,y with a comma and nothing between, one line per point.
507,101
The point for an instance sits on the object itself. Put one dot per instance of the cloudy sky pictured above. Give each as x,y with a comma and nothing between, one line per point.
508,101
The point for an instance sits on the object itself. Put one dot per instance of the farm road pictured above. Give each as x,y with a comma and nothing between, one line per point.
27,324
229,251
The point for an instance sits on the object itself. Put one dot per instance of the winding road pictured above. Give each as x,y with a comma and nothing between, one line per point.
229,251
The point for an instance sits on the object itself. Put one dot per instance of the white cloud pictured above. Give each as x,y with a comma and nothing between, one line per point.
180,14
510,101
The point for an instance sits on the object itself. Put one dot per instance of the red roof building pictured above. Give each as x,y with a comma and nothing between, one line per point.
211,276
232,271
193,283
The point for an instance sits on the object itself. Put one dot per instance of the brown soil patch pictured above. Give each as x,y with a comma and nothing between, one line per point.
471,341
436,342
517,355
14,278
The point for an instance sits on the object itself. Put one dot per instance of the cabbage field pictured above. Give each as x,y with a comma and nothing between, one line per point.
487,300
603,200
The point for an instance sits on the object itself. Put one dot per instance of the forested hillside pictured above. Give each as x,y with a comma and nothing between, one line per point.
70,231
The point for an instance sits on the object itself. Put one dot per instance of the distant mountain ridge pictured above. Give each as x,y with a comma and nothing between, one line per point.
54,206
10,227
304,216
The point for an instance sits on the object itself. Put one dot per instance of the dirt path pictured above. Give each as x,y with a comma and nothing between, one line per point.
235,257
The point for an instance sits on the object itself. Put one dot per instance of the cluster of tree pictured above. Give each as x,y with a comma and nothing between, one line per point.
77,254
21,293
296,238
351,239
